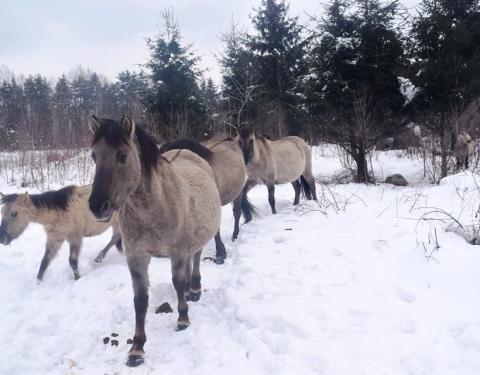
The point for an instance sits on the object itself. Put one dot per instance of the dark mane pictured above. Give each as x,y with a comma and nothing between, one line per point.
187,144
51,200
110,130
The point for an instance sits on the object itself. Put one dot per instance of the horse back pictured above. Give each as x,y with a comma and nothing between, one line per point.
229,169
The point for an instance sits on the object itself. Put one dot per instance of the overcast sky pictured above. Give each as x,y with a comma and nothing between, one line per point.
54,36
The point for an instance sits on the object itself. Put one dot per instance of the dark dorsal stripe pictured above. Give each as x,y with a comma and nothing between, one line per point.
111,131
52,200
187,144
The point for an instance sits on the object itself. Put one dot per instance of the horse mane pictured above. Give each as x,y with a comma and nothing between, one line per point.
187,144
51,200
149,153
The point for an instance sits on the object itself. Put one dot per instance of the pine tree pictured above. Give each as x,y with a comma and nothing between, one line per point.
446,55
279,50
353,79
62,102
240,79
174,99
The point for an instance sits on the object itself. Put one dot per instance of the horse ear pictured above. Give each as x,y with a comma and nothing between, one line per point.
93,123
128,125
25,198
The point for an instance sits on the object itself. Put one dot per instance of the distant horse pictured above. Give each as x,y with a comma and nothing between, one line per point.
463,149
168,205
277,162
65,216
226,159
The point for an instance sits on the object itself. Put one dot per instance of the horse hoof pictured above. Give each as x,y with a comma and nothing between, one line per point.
99,259
76,277
182,326
219,260
135,360
193,296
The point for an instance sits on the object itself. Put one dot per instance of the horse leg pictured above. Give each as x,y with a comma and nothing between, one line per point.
53,245
271,197
221,253
296,187
116,238
237,212
75,246
179,273
466,162
244,202
138,266
195,290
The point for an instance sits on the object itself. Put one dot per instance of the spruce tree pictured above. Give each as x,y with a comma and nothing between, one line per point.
353,79
279,48
174,99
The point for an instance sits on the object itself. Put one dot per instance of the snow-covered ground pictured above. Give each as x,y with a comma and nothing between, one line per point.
355,285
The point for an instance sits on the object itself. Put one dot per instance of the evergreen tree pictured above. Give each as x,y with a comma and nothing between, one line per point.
353,79
240,78
174,99
279,50
446,55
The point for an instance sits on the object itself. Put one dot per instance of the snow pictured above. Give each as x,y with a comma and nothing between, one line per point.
354,285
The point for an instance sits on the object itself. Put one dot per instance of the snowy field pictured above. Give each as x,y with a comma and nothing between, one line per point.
355,285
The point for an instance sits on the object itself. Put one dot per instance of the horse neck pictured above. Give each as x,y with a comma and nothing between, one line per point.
261,151
151,188
42,216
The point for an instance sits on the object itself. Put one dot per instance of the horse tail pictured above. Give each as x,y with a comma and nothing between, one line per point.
187,144
306,188
248,209
119,245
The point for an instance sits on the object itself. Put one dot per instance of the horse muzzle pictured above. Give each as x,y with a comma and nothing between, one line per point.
5,239
102,210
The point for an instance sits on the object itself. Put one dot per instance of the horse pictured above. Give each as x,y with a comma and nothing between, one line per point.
168,206
464,146
226,160
64,215
269,163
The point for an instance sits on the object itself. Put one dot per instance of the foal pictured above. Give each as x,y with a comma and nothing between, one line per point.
168,206
226,160
64,215
277,162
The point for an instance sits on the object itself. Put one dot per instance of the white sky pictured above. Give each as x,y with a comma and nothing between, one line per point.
52,37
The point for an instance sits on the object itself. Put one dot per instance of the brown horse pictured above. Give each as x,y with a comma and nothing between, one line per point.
464,146
277,162
226,160
169,206
65,216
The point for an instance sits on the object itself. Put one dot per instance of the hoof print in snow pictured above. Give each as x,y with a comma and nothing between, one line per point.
129,341
396,179
114,334
106,340
164,308
114,342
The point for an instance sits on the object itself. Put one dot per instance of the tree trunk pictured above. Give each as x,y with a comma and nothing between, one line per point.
360,158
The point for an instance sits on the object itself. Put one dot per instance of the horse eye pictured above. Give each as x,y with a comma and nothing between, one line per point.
14,214
93,157
122,158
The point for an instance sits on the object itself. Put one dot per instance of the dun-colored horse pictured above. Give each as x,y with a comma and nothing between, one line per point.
65,216
169,206
277,162
463,149
226,160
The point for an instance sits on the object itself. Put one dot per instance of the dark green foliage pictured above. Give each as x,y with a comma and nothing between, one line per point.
174,99
353,80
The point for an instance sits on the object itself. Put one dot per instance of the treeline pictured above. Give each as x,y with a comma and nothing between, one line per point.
358,73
